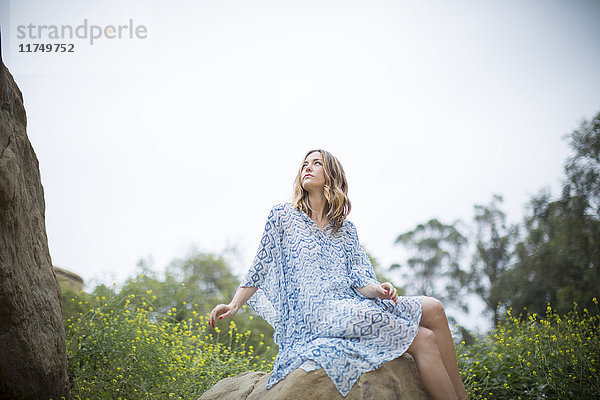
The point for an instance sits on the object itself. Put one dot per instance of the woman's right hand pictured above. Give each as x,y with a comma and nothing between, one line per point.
242,294
221,311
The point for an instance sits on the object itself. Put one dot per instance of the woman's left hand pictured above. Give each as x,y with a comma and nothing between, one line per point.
387,291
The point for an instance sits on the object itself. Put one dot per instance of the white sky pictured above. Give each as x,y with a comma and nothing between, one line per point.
189,136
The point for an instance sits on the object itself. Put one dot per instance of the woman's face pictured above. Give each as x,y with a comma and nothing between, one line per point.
313,175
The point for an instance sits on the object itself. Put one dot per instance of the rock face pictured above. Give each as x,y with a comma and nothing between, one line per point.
32,339
68,280
396,379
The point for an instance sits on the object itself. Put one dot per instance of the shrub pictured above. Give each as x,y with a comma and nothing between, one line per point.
529,357
121,347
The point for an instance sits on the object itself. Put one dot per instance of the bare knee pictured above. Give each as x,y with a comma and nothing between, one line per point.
424,343
434,315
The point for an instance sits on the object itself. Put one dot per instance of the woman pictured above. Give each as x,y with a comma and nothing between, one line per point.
314,283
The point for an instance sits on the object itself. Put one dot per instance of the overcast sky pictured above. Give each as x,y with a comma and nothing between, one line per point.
188,133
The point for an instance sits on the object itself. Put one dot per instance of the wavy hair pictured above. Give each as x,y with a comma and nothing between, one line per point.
335,190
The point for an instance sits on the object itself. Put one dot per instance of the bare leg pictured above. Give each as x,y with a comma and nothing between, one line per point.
424,350
434,318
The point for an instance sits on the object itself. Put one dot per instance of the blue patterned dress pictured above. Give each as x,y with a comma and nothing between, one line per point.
306,279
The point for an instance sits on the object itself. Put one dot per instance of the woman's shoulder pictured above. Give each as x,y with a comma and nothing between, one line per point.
280,210
348,229
282,207
348,226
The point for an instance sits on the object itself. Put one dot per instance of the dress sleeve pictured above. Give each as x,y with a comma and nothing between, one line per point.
361,271
267,255
266,274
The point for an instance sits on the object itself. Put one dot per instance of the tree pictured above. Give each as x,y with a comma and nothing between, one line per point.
493,252
199,278
188,288
583,168
435,265
558,260
559,257
381,275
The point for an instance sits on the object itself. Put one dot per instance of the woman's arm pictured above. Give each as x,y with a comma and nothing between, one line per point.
268,257
242,294
384,291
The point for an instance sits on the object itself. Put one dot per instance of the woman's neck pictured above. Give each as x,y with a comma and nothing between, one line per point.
317,204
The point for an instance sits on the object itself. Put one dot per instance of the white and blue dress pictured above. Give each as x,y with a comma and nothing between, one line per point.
307,279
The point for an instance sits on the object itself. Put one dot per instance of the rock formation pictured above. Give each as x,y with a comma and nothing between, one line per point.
32,339
68,279
396,379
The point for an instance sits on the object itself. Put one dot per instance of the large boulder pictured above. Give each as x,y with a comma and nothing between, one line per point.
396,379
33,361
68,280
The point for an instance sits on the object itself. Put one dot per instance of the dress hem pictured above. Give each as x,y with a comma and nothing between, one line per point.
389,357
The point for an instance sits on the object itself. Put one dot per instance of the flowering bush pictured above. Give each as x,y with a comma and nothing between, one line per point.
528,357
121,347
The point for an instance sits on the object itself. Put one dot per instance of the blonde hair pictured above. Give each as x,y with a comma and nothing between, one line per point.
335,190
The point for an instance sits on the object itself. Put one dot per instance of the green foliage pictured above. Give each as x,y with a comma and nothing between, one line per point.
124,347
199,278
437,250
583,168
558,261
381,276
493,253
72,302
559,256
552,257
151,338
528,357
